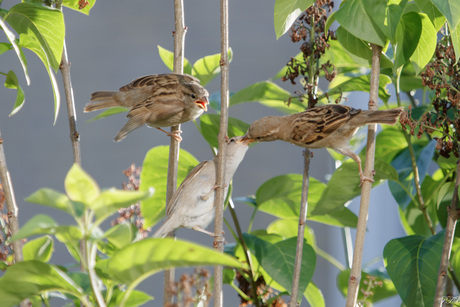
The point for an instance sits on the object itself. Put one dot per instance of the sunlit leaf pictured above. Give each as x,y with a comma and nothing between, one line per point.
286,12
210,124
76,5
80,186
168,59
39,249
208,67
12,82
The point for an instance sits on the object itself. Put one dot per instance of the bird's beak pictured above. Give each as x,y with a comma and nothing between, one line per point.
246,140
202,103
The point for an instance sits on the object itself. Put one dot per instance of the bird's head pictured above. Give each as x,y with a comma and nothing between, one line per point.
262,130
199,95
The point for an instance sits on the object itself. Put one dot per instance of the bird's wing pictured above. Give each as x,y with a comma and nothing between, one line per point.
160,80
186,184
159,107
317,123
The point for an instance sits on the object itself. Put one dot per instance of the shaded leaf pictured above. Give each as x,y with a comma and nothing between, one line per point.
386,14
407,37
344,83
286,12
436,17
208,67
210,124
54,199
39,224
450,9
426,46
120,235
12,82
39,249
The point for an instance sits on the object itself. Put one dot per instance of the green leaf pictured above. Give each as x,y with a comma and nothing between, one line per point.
413,263
314,296
12,82
75,5
286,12
289,229
390,142
29,278
154,174
344,83
139,260
278,260
358,50
352,15
426,45
39,249
137,298
108,112
387,289
268,94
80,186
120,235
14,45
109,201
386,14
408,36
27,41
51,198
436,17
455,36
210,123
43,24
39,224
168,59
208,67
344,185
450,9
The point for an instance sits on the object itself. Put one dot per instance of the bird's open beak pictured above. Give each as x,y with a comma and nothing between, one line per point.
246,140
202,103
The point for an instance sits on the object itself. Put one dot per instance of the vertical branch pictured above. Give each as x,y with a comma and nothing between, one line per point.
355,274
452,216
173,162
301,231
219,200
10,200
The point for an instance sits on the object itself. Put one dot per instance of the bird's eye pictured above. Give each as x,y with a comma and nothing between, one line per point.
232,140
193,96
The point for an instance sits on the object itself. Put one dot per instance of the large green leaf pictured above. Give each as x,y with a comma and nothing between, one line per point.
168,59
385,290
386,14
27,41
154,174
41,23
408,36
29,278
80,187
344,185
450,9
39,224
352,15
455,35
137,298
39,249
76,5
314,296
210,124
390,142
436,17
286,12
120,235
208,67
413,263
109,201
426,45
278,260
343,83
268,94
54,199
12,82
139,260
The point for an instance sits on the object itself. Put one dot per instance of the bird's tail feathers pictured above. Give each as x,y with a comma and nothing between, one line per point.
164,229
101,100
132,124
389,117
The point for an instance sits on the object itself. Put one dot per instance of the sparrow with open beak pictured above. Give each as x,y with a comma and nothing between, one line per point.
328,126
162,100
192,205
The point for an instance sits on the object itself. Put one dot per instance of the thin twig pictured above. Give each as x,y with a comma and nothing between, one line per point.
220,181
452,216
301,230
173,162
355,274
255,299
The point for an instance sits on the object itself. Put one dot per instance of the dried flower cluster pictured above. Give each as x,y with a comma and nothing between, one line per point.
268,296
6,250
310,28
371,282
442,75
132,214
191,289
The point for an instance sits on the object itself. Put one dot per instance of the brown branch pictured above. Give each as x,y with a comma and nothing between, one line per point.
220,181
452,216
301,231
355,274
173,162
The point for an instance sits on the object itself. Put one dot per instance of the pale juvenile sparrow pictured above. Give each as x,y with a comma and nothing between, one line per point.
328,126
162,100
192,205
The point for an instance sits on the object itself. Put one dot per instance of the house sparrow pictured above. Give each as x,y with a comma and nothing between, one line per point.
328,126
163,100
192,205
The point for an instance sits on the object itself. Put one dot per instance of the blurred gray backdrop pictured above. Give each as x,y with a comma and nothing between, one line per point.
118,42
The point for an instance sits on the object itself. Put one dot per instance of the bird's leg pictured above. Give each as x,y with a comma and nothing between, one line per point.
175,134
207,195
198,228
348,152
